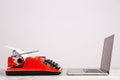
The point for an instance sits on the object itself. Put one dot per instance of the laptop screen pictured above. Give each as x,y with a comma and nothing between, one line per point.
107,53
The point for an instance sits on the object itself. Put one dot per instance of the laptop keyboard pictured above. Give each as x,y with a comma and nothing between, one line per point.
92,71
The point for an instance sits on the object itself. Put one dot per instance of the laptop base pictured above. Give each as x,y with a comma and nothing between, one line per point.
86,72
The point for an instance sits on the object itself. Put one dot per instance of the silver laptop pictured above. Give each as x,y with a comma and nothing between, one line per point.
105,62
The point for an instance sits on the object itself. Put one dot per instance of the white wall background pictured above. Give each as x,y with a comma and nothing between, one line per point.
70,32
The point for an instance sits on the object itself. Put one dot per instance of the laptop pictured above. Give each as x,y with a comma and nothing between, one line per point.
105,62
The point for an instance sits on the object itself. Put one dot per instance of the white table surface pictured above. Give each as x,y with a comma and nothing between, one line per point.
114,75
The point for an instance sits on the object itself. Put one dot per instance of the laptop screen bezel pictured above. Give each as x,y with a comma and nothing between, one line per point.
107,54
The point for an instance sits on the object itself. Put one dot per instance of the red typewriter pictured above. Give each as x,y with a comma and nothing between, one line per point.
19,64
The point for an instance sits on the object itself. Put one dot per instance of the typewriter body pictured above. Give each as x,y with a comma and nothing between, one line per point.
37,65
